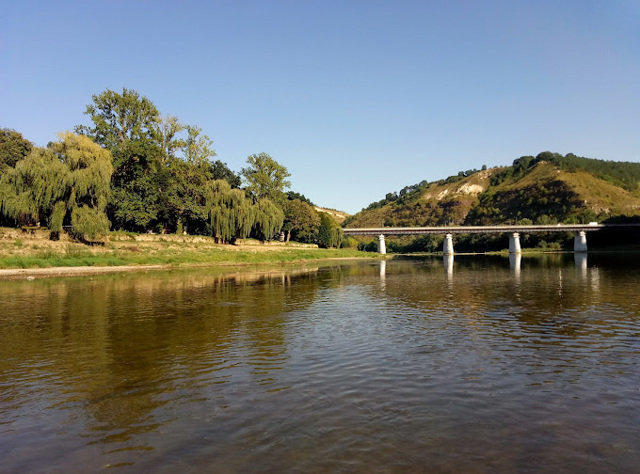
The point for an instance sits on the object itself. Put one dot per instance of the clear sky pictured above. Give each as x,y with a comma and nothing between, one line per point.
356,98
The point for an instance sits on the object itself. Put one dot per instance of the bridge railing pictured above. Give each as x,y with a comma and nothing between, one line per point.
497,229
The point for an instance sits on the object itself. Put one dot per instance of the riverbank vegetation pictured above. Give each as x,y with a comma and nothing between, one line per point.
132,169
34,249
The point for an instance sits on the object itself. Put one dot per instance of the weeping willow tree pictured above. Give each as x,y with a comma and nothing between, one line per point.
69,182
269,218
232,215
88,183
30,192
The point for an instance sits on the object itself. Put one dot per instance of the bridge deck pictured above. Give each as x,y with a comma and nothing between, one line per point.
498,229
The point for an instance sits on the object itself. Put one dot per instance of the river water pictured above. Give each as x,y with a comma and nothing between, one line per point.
480,364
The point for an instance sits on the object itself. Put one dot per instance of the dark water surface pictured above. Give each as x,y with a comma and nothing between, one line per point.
483,365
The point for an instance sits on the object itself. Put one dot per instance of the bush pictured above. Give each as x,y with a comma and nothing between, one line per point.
368,246
349,243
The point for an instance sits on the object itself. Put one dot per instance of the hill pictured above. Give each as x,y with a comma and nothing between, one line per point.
338,216
547,188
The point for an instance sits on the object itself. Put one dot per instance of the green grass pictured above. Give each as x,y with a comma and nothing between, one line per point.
75,257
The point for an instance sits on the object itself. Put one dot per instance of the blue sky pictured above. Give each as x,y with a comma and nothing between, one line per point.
356,98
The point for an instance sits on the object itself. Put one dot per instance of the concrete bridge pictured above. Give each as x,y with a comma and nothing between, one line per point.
514,231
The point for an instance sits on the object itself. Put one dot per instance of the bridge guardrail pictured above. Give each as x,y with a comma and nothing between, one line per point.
483,229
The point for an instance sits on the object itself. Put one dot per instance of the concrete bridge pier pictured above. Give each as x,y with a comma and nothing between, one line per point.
447,245
382,248
580,242
514,244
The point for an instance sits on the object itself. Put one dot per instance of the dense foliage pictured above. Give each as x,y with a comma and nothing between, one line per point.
620,173
132,169
302,222
265,178
67,183
13,147
329,233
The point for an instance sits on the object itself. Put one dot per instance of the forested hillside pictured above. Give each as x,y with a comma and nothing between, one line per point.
546,189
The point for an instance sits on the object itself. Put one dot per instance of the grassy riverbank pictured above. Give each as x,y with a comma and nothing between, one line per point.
34,250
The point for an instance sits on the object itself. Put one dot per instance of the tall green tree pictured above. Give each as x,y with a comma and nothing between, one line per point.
187,174
220,170
183,201
119,118
13,147
330,233
266,178
302,221
197,148
171,142
128,125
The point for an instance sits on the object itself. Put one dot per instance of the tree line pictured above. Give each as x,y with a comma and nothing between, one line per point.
132,169
624,174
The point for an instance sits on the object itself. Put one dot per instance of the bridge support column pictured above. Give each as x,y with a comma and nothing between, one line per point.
447,245
514,243
580,242
382,248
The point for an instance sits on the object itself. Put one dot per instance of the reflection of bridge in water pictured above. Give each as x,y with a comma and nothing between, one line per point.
514,231
515,265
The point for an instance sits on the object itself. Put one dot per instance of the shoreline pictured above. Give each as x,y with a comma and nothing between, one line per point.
61,272
50,272
30,255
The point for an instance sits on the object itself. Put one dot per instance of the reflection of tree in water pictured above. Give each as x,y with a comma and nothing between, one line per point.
123,346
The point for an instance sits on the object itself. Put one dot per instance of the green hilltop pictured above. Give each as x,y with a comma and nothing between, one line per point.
546,189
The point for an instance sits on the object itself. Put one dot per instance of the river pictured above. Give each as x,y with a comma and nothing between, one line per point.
477,364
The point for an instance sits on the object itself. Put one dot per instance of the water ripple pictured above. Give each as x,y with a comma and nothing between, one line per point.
341,369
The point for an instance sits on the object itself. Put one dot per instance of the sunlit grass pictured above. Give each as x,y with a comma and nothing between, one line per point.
124,248
77,257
